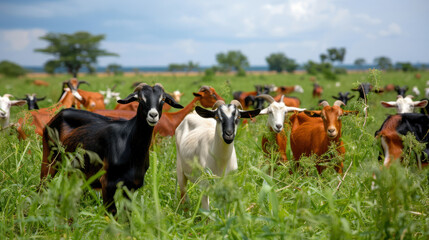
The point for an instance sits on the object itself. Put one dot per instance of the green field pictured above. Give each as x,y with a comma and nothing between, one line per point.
261,200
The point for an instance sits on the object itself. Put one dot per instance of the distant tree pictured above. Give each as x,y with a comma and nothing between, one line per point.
359,62
10,69
73,51
232,60
280,62
341,53
334,55
323,57
114,68
383,63
176,67
311,67
405,66
191,66
326,69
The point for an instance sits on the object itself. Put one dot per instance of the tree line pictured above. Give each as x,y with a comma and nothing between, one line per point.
72,52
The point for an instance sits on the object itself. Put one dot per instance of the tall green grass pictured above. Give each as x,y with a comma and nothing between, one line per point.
262,199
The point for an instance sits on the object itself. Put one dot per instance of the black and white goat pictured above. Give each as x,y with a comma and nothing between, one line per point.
344,97
208,136
32,100
5,105
123,146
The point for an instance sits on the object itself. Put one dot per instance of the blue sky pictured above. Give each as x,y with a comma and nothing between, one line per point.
156,33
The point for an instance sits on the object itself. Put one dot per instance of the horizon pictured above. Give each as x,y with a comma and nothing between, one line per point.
161,33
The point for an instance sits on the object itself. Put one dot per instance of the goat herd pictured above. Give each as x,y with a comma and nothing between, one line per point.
122,137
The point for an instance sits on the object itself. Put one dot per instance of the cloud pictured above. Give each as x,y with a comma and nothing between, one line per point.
392,30
19,39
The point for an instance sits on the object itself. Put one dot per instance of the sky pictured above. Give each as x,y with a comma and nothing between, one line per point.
157,33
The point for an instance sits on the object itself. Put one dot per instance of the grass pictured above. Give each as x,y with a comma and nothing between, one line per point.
262,199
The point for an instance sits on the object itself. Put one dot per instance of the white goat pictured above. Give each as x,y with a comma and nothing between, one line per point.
5,104
416,91
209,138
404,105
176,95
109,94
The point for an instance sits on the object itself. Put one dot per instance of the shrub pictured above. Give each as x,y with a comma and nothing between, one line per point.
10,69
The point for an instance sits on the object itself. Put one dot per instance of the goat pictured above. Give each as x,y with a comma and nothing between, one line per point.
289,89
5,105
288,101
208,137
400,124
344,97
389,88
32,100
401,90
38,82
404,105
364,89
90,100
317,90
323,127
247,99
39,118
416,91
109,95
123,146
276,117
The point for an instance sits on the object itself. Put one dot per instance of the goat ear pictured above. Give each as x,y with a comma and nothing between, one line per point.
352,96
197,94
249,114
264,111
347,112
336,98
17,102
313,113
355,89
205,113
40,99
377,90
170,101
420,104
131,98
389,104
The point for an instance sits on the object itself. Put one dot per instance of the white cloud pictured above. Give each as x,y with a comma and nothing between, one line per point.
392,30
19,39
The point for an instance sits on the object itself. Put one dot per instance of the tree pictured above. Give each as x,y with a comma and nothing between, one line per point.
73,51
114,68
173,67
10,69
359,62
405,66
334,54
279,62
384,63
233,60
323,57
191,66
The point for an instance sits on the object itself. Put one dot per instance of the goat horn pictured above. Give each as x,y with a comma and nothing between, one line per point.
266,97
114,86
202,88
217,104
140,87
324,104
237,104
339,103
8,95
399,96
282,98
159,85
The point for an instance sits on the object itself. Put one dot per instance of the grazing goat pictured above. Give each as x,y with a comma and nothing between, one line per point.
401,90
209,139
315,133
123,146
364,89
38,82
289,89
5,104
32,100
343,97
317,90
400,124
247,99
404,105
276,117
109,93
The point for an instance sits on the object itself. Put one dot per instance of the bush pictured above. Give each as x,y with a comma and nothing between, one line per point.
10,69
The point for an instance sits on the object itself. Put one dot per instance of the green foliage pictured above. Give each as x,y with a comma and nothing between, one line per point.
279,62
326,69
405,67
232,60
10,69
359,62
114,68
383,63
333,55
262,199
174,67
73,51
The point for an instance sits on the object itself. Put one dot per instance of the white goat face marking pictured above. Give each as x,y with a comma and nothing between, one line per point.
276,116
152,117
31,97
160,98
5,105
77,95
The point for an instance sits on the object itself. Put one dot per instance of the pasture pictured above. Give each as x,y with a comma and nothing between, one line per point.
261,200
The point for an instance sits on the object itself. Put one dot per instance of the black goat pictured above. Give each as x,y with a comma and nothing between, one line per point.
401,90
344,97
364,89
123,146
32,101
258,103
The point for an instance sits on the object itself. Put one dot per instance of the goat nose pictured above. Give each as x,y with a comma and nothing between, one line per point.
331,130
229,132
279,126
153,114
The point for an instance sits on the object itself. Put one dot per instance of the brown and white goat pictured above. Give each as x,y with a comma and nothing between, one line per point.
313,132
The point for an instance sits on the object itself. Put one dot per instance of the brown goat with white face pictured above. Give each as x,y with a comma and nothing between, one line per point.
323,127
